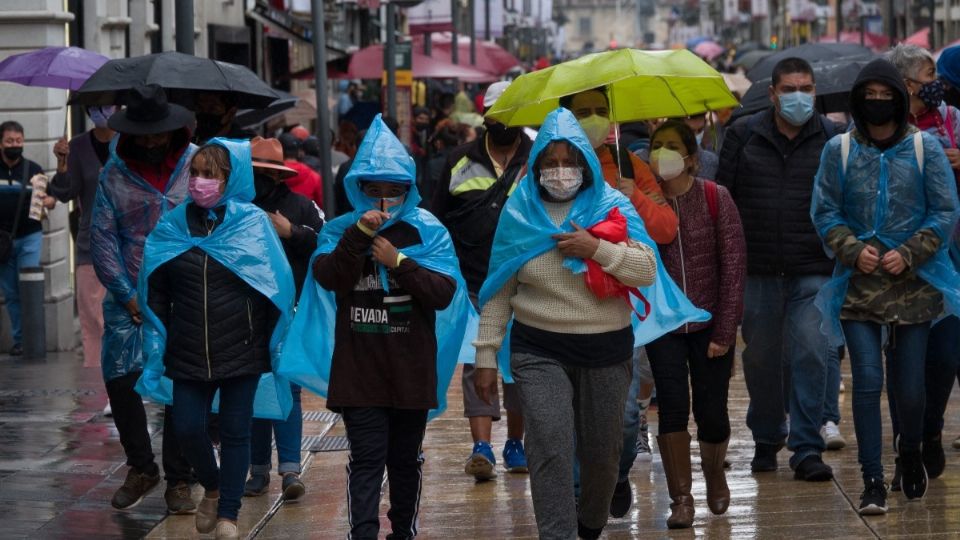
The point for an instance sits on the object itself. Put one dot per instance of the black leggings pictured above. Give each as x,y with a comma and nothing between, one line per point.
670,357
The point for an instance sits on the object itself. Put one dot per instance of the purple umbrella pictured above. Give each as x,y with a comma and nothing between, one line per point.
52,67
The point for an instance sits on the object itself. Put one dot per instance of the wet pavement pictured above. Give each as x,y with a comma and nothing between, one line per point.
60,462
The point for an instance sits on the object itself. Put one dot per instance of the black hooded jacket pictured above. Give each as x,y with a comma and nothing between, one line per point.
881,71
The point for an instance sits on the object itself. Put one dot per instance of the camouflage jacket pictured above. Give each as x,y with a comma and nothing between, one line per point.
882,297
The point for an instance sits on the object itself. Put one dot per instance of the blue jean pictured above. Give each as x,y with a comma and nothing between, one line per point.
908,344
831,402
288,433
941,365
785,362
26,254
191,414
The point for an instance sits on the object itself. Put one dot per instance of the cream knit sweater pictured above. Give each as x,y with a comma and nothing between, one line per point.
545,295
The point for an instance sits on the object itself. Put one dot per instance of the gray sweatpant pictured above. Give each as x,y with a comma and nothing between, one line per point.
560,402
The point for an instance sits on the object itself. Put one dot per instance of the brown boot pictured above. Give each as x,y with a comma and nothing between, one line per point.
675,453
711,461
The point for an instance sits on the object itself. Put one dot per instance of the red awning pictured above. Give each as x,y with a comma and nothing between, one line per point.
491,57
367,63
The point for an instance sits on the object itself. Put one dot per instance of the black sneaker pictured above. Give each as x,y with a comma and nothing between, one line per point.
179,499
765,457
588,533
813,469
256,485
914,479
135,488
873,502
933,458
16,350
895,483
293,488
622,499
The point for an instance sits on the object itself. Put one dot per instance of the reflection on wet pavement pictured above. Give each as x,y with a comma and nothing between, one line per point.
60,462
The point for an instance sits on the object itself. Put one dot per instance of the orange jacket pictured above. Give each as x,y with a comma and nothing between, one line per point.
660,220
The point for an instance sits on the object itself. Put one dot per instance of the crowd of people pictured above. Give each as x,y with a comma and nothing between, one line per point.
574,276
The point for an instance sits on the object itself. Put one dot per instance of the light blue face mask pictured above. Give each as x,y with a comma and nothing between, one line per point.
700,138
796,107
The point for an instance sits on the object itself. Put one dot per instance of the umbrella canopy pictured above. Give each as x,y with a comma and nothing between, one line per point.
811,52
367,63
708,49
52,67
750,58
491,58
248,118
920,38
876,42
641,84
737,82
834,79
182,75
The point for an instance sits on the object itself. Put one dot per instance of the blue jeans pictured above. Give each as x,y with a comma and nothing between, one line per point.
831,403
288,433
26,254
908,344
191,413
941,365
785,362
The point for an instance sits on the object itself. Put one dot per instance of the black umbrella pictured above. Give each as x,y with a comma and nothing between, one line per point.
182,75
834,79
811,52
248,118
750,58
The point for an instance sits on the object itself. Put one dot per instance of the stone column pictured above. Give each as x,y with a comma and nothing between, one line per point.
27,25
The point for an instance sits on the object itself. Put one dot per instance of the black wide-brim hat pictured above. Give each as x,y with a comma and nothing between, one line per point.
148,112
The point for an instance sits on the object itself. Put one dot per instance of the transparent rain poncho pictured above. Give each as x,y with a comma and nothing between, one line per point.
247,244
308,353
525,232
884,195
125,210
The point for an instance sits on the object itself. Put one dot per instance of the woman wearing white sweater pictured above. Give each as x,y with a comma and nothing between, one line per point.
570,350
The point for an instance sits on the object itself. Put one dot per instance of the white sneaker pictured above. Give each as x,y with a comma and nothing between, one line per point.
843,387
644,453
832,437
107,411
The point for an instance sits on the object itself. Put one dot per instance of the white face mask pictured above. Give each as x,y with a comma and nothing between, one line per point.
666,163
596,128
562,183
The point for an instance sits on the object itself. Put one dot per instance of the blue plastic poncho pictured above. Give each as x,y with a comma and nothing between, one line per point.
525,231
246,243
308,353
884,195
125,210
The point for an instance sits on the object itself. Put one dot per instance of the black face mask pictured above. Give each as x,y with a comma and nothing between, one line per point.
208,125
501,135
13,153
879,111
263,185
150,156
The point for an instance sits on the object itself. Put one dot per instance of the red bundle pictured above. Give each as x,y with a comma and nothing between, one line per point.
603,285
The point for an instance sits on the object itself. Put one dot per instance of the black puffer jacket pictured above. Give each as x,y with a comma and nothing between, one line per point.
771,180
306,220
218,327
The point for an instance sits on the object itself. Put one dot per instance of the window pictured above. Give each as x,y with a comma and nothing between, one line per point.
586,27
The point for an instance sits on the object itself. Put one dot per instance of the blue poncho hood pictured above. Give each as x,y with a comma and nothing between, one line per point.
247,244
525,231
308,354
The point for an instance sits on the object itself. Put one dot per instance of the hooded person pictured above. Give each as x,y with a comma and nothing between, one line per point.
885,205
379,328
146,176
569,350
218,294
948,68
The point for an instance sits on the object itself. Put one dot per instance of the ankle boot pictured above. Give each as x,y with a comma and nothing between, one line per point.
711,461
675,453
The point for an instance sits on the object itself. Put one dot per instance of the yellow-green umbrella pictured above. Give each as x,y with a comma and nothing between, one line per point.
641,84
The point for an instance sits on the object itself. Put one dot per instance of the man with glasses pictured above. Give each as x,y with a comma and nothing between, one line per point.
768,162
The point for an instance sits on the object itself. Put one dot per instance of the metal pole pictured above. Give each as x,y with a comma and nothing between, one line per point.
391,65
892,23
455,39
473,33
319,37
428,44
184,25
839,19
486,20
863,22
